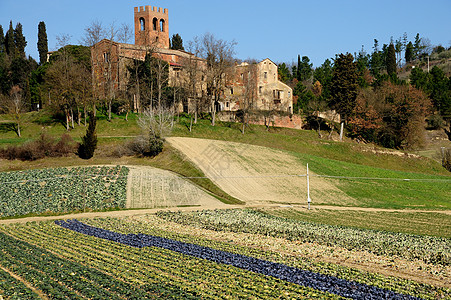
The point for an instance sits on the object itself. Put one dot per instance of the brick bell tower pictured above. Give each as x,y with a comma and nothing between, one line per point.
152,26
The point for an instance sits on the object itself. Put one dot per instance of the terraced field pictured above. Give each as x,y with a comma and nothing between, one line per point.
56,263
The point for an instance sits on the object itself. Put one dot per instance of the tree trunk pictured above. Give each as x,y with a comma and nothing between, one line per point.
18,129
341,130
84,113
67,120
126,116
191,124
109,109
213,114
195,115
72,118
79,116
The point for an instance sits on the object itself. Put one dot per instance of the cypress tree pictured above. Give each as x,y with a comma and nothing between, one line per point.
391,60
2,40
43,47
177,42
89,141
409,56
10,46
20,41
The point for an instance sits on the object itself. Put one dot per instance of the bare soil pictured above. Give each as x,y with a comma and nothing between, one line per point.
257,175
149,187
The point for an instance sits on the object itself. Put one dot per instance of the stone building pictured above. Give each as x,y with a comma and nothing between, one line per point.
249,86
256,86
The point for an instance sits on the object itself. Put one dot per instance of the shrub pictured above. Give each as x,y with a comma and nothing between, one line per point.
446,162
89,141
140,146
435,122
45,146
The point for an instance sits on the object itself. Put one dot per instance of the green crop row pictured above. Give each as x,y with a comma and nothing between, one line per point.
176,275
432,250
62,190
151,225
12,288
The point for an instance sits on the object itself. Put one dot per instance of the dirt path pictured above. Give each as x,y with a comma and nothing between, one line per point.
212,205
257,175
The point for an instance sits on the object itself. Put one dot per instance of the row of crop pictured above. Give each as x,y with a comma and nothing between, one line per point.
317,281
432,250
188,276
258,246
11,288
62,190
58,278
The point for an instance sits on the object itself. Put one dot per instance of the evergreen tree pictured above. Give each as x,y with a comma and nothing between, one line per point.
376,63
43,47
89,141
20,41
177,42
323,74
284,73
10,45
409,55
305,69
391,60
344,84
2,40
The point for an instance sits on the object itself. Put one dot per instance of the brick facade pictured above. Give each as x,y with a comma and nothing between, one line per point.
249,86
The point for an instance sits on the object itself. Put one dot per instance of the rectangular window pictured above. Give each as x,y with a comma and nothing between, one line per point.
106,57
231,91
260,89
265,75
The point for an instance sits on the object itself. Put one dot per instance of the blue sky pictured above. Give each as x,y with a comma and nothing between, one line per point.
279,30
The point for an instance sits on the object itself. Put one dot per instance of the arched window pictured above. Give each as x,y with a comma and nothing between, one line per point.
155,23
143,24
161,25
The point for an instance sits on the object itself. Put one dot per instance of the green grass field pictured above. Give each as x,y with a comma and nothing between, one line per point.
429,190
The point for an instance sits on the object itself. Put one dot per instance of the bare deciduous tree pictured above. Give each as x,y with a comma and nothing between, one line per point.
218,54
94,33
13,105
124,33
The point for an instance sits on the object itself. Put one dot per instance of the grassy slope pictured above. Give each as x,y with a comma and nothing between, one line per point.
323,156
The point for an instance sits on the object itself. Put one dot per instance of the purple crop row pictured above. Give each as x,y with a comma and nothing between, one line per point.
317,281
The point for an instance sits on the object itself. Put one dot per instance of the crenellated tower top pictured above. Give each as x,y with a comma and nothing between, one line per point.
152,26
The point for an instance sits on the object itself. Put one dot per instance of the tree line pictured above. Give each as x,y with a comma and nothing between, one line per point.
374,104
364,89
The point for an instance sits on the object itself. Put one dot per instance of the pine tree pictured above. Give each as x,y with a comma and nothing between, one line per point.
43,47
89,141
177,42
344,84
391,60
409,56
20,41
10,45
304,71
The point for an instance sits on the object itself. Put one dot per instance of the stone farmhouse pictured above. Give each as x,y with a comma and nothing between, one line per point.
250,86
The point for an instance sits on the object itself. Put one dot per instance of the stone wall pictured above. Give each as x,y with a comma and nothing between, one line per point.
263,118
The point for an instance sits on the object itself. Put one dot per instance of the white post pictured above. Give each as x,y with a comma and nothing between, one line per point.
308,189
